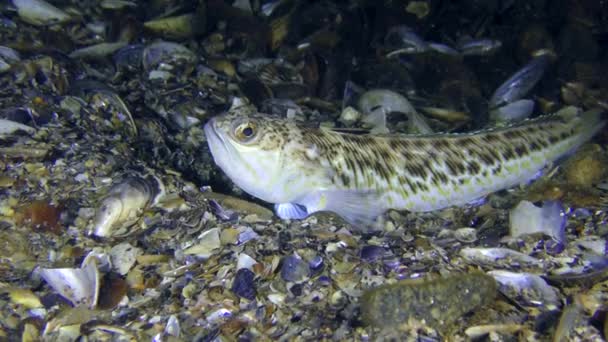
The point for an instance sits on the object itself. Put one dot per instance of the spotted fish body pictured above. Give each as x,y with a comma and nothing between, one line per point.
304,170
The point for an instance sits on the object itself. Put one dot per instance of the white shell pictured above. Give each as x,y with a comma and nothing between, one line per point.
245,261
78,285
39,12
124,204
124,256
531,288
498,256
9,127
526,218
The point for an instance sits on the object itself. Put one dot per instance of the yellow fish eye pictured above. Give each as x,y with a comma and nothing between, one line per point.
245,131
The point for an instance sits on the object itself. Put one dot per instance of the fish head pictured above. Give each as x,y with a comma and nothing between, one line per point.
250,149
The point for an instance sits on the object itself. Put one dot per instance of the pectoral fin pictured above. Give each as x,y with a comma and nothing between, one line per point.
359,208
290,211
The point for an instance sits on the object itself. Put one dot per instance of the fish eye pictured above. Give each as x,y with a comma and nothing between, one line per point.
245,131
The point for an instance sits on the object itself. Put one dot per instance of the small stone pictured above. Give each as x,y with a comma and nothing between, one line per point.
243,285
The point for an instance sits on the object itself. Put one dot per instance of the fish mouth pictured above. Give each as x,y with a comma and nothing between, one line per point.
215,140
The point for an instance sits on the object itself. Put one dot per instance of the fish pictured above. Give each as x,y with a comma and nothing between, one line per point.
303,170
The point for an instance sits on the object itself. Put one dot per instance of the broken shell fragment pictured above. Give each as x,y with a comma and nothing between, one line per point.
78,285
209,243
526,218
123,205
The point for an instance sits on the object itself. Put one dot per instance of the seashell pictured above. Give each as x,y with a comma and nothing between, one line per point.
521,82
530,289
116,4
376,104
8,57
479,47
124,256
97,51
247,234
80,286
209,242
39,12
8,127
239,205
172,328
166,54
479,331
511,112
498,256
404,41
245,261
107,100
443,49
526,218
445,114
177,27
122,207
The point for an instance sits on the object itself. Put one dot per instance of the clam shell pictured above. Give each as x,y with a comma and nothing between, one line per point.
78,285
39,13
